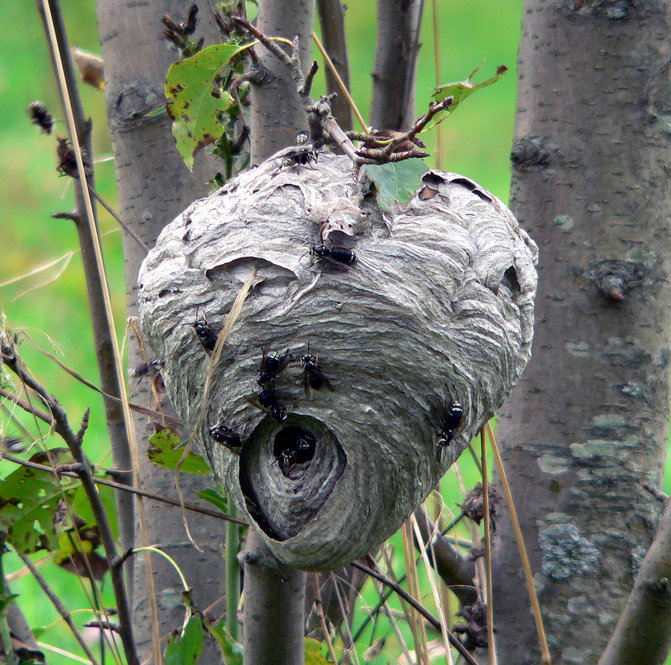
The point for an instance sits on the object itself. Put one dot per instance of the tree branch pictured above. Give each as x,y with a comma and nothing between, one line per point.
105,340
274,601
455,571
58,605
643,632
28,408
13,362
454,641
127,488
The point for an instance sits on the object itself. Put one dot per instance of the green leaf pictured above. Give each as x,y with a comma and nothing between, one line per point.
6,600
231,651
396,181
313,653
460,90
213,497
165,451
28,501
194,99
185,649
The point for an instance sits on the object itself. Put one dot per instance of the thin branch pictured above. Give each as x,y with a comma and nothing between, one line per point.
60,608
394,147
454,569
12,361
454,641
643,631
28,408
126,488
491,644
158,416
322,618
119,421
120,221
403,142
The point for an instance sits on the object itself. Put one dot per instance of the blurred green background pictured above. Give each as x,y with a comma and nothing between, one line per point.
51,306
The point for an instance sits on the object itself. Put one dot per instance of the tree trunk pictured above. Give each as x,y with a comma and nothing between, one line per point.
277,111
589,421
332,25
154,186
277,115
396,50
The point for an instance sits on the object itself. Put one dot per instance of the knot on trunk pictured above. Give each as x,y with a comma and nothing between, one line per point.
371,348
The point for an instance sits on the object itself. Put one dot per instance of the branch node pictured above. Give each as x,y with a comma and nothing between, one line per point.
656,492
84,426
72,216
307,85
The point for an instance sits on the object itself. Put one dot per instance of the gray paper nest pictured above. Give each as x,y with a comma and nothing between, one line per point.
436,310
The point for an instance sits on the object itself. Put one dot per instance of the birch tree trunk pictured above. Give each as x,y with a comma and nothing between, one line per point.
589,421
154,186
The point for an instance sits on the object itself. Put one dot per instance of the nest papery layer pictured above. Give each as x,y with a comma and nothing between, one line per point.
436,309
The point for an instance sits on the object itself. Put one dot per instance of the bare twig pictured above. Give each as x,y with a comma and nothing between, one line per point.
28,408
456,571
58,605
491,644
322,618
401,145
120,221
12,361
454,641
126,488
157,416
119,420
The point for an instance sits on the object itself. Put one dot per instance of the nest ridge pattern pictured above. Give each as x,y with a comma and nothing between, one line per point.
435,309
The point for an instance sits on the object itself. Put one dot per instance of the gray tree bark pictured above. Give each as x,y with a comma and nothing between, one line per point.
277,115
332,25
154,185
277,111
589,421
396,50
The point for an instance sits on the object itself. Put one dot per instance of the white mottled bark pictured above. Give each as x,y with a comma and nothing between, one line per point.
437,308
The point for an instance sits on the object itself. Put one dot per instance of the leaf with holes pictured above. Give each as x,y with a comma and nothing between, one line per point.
165,451
396,181
460,90
29,499
194,99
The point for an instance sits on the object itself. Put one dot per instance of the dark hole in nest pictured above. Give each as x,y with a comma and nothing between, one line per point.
510,280
293,446
472,187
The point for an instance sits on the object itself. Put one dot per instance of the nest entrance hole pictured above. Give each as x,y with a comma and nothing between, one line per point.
287,472
294,449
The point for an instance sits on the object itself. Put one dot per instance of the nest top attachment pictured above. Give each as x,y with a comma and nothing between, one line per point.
372,346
